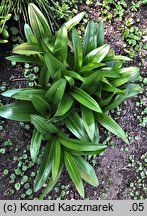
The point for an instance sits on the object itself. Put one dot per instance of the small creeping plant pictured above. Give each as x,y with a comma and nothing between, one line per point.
79,83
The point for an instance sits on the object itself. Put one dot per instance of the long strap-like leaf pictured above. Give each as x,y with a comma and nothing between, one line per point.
56,158
83,98
44,127
61,45
39,23
75,125
88,120
111,125
86,170
51,182
78,53
45,166
74,172
35,144
28,48
74,21
78,145
64,105
19,111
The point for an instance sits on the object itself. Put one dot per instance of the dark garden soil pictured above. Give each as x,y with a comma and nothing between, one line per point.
121,169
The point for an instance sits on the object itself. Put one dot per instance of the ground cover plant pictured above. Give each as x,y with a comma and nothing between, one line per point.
77,92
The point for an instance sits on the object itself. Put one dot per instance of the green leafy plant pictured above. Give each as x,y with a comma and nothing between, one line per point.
79,83
18,9
53,10
132,36
113,8
3,29
64,8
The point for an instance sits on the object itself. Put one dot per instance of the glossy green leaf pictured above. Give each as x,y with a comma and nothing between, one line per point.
51,183
90,83
59,94
75,125
79,145
4,32
65,105
48,45
116,102
88,120
57,75
108,72
120,81
45,167
96,55
44,127
118,65
89,67
56,92
35,144
132,90
74,172
53,64
29,34
100,34
132,72
3,41
19,111
61,118
61,45
104,80
7,17
86,171
50,67
86,153
111,125
23,93
96,137
85,99
116,57
56,158
74,21
25,59
70,81
78,53
74,75
112,89
39,23
90,41
40,104
113,64
50,94
28,49
44,77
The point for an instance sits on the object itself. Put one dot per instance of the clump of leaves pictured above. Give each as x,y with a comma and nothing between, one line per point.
79,83
64,9
113,8
18,9
52,9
